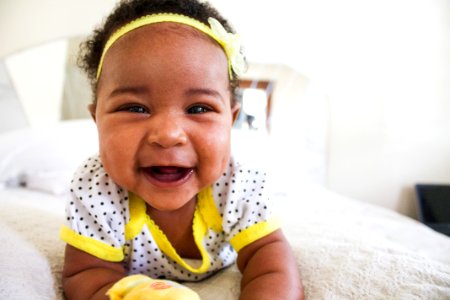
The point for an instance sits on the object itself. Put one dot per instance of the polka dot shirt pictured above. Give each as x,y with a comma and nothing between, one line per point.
108,222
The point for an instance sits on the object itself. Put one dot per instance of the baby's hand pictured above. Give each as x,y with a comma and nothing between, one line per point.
140,287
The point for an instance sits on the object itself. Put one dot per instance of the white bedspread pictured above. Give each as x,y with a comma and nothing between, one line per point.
344,249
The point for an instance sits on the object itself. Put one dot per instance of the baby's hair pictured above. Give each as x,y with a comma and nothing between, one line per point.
129,10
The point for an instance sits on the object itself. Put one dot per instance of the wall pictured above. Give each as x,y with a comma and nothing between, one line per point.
390,125
47,19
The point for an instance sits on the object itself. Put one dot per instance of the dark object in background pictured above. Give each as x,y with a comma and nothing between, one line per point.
433,203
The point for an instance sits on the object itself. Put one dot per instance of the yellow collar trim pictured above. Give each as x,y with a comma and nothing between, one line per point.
206,216
228,41
208,210
137,217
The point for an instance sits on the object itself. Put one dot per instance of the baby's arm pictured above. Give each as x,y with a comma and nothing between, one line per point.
269,270
88,277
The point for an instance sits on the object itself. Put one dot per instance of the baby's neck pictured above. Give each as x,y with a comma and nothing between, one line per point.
177,226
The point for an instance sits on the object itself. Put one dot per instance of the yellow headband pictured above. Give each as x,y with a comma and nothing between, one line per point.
228,41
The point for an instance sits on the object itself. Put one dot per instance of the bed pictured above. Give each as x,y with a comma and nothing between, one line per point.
345,249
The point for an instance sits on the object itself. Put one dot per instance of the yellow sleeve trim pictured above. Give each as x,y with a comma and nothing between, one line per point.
254,233
90,245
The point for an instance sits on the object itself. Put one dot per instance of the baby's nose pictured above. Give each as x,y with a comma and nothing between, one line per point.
167,133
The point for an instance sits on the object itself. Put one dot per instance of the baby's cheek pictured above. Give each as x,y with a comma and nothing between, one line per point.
117,160
217,154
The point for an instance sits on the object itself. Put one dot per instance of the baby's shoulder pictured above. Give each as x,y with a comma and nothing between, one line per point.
240,180
90,167
244,170
92,183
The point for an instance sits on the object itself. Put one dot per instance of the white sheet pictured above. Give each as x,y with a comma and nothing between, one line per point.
344,249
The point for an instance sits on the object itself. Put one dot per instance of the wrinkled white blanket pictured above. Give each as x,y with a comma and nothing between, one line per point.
344,250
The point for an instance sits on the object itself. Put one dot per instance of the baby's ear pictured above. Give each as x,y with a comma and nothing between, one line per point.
91,108
235,111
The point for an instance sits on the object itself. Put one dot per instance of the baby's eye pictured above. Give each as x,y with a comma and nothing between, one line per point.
198,109
134,108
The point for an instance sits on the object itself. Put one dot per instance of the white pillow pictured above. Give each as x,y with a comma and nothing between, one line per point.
45,158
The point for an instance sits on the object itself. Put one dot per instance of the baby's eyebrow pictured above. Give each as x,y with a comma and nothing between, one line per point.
204,91
128,90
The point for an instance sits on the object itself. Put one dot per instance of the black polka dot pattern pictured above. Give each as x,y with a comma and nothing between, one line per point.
241,197
99,209
96,208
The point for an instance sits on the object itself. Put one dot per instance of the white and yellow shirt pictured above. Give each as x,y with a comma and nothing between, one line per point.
110,223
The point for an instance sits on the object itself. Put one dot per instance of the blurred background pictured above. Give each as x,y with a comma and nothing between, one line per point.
353,95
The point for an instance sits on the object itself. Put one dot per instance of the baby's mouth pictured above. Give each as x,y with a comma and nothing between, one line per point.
168,174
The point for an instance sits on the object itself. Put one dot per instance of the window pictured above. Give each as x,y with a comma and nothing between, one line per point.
255,97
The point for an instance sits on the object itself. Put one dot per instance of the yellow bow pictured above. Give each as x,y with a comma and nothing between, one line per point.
232,46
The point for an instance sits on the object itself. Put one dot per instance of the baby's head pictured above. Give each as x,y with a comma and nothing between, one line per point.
164,73
127,11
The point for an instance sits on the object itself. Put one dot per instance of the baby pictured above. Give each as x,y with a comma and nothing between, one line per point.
164,197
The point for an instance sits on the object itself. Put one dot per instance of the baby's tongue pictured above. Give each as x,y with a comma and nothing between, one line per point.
168,174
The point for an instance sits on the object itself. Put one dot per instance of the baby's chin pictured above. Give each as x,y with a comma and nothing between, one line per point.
167,199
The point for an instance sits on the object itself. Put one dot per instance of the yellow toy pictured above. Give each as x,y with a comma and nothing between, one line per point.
140,287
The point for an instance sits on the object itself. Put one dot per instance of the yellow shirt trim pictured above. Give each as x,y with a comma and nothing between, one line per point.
166,247
91,246
208,210
205,210
138,210
254,233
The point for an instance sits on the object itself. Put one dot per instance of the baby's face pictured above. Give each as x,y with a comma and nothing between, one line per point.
163,113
